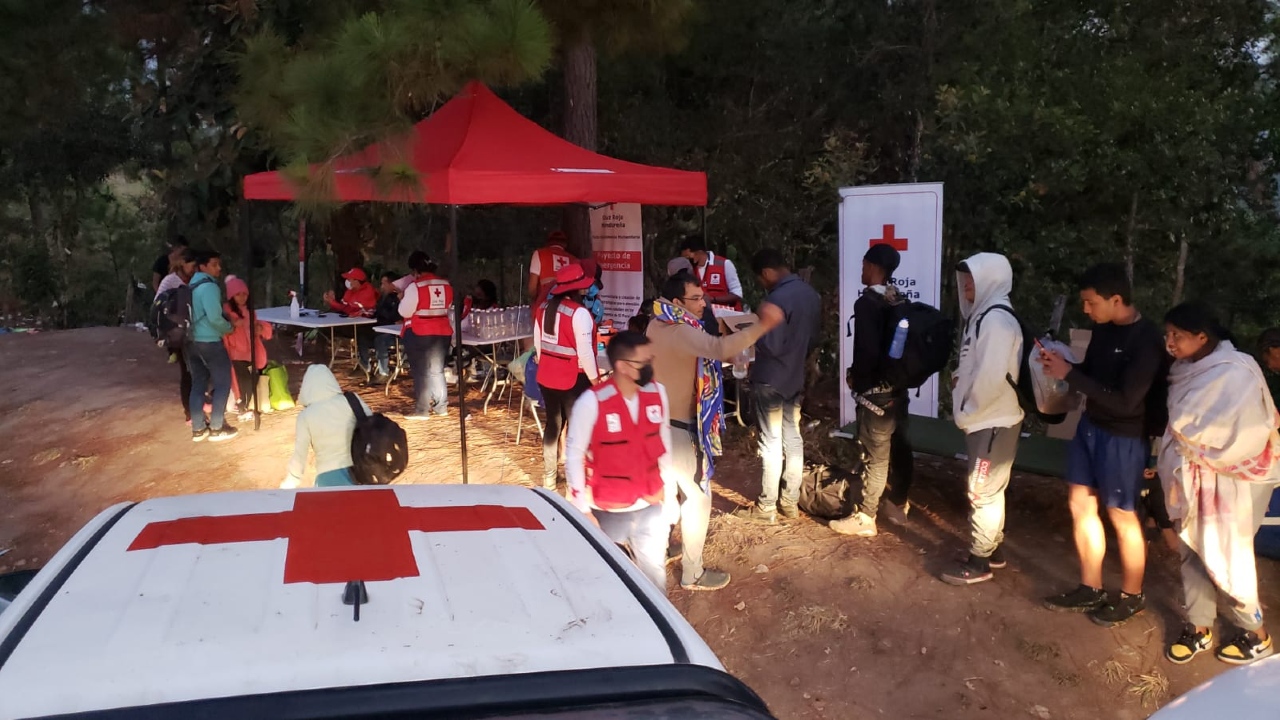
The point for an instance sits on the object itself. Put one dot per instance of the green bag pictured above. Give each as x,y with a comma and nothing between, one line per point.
278,380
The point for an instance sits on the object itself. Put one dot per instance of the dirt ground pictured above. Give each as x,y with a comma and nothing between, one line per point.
822,626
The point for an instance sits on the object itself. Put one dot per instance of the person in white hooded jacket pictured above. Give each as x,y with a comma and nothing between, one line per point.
985,405
325,426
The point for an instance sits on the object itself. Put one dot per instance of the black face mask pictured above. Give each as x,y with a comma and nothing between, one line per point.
646,375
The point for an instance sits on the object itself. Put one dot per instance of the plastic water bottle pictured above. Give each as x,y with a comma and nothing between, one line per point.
294,308
899,343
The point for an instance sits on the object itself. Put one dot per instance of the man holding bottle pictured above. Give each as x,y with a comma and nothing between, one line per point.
777,381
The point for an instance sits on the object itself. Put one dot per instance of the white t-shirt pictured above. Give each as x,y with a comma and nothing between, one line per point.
582,423
584,328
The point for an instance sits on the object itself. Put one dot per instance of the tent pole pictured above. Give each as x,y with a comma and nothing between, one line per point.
302,261
247,241
457,338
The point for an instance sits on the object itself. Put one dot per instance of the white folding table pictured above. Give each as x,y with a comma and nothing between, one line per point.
314,319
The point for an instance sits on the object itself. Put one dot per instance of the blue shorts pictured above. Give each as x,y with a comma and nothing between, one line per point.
1110,464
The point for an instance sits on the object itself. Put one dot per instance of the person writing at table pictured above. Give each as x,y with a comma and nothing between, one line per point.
360,299
427,332
564,341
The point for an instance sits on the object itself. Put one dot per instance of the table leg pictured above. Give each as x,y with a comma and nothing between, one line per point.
333,348
493,374
395,373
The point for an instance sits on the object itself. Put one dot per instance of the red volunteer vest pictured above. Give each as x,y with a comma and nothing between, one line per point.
550,260
558,367
435,297
622,461
716,282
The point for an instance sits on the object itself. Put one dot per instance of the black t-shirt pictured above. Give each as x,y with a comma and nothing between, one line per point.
1119,370
161,266
871,316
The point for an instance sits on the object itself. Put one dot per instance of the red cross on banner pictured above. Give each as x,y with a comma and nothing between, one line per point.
338,536
897,243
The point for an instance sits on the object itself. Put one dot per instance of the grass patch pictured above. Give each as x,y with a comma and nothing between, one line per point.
1150,687
813,619
1114,672
1039,652
46,456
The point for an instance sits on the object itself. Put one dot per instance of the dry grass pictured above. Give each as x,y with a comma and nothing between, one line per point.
861,584
46,456
1114,672
1039,652
1065,678
813,619
1150,687
733,538
83,461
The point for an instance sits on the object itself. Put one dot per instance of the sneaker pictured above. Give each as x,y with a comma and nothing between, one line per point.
382,378
199,435
791,512
997,559
709,580
675,551
246,416
894,513
222,434
858,524
1245,649
1189,644
753,513
1119,612
1083,599
970,572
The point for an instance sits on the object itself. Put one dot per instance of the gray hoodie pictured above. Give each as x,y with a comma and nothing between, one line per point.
982,397
325,424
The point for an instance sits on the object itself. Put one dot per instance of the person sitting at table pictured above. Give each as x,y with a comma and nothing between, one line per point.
387,312
564,341
325,426
427,332
360,299
237,341
484,296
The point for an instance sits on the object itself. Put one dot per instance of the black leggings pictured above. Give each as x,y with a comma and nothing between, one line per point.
184,384
558,404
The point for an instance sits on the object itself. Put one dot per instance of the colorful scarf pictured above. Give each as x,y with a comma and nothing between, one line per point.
710,388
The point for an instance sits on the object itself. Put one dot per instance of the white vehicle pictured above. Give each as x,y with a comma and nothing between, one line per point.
432,602
1251,692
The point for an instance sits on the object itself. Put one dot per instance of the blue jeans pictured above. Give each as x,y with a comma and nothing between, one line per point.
427,355
383,344
780,444
208,363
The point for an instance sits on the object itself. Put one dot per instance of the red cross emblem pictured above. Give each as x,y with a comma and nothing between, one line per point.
336,537
436,291
897,243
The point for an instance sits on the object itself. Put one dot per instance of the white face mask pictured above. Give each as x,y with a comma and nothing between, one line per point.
348,284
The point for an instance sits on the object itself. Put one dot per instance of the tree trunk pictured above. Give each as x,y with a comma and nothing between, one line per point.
1180,278
579,128
1128,238
345,240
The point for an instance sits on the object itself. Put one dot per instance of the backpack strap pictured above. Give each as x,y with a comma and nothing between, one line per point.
356,408
977,328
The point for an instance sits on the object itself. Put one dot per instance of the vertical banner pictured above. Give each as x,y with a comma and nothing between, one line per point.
618,246
908,217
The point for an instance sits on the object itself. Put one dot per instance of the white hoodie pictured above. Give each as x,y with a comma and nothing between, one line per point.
982,397
325,424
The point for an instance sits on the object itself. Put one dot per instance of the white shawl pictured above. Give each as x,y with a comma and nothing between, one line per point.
1221,434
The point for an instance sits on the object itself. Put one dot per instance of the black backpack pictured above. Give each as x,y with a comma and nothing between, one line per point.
379,448
930,341
1024,384
828,492
170,317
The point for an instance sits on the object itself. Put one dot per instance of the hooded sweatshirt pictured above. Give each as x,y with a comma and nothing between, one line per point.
982,397
325,424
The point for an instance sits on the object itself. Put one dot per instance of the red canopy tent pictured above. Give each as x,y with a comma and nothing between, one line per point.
477,150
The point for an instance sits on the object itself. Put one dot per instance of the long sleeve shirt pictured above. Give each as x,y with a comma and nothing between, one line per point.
870,320
676,350
207,322
361,301
1118,371
730,273
582,423
584,341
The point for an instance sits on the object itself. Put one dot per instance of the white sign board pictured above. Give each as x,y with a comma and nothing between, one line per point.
908,217
618,246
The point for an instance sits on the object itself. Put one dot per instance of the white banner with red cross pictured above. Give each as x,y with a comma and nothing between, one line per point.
909,218
618,246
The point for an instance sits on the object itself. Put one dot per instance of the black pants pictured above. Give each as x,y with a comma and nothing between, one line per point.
184,384
558,404
244,378
890,467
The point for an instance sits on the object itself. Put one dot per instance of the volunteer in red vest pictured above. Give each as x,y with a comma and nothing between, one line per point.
563,340
618,456
718,276
546,262
427,332
359,299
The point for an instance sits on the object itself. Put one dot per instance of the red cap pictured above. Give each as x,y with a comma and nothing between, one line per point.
355,274
571,277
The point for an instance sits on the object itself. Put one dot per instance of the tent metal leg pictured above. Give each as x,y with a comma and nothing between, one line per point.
457,341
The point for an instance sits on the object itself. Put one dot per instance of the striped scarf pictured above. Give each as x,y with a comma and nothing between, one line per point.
710,388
